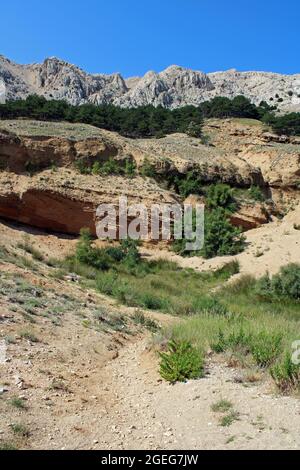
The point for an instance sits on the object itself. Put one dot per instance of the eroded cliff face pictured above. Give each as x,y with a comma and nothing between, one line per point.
65,201
40,186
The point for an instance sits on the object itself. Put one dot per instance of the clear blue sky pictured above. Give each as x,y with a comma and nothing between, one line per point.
134,36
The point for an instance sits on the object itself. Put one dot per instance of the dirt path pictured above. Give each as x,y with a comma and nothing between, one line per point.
146,413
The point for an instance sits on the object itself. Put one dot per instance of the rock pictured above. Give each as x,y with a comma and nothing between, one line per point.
250,216
2,91
173,87
3,390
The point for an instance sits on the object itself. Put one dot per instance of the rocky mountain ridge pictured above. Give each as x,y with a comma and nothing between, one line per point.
174,87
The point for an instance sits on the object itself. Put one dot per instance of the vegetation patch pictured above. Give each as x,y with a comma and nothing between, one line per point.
181,362
146,121
285,284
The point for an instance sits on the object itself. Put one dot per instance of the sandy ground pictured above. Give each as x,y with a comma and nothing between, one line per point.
269,247
88,389
125,405
139,411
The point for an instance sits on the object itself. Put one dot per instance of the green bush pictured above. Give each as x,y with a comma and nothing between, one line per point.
106,282
284,284
191,183
256,194
221,195
96,168
266,348
182,362
130,167
111,167
151,301
87,254
210,305
220,237
132,257
286,374
147,169
235,340
116,253
114,167
83,166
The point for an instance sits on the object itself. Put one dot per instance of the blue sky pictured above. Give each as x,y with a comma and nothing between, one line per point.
134,36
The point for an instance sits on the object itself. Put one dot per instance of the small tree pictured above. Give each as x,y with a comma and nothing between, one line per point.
194,130
87,254
221,195
147,169
220,237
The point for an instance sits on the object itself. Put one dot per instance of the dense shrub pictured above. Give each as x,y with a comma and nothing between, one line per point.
191,183
288,124
256,194
264,347
147,169
110,167
220,195
220,237
182,362
284,284
87,254
82,165
286,374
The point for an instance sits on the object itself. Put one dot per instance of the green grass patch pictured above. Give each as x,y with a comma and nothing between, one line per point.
229,419
18,403
221,406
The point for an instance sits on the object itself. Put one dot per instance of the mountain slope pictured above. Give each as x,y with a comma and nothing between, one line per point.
171,88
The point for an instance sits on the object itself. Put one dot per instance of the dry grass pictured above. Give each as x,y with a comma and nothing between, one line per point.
29,127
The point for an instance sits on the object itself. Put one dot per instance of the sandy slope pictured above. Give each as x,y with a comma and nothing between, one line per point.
147,413
268,249
113,396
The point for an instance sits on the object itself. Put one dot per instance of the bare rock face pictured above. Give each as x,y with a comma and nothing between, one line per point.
2,91
66,201
250,216
275,89
56,79
174,87
278,159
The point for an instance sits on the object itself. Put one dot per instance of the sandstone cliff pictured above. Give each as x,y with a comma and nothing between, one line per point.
40,186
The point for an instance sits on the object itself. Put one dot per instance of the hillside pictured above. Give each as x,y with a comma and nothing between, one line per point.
39,162
79,340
